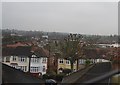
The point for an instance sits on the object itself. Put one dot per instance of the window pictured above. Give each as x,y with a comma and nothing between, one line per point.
24,68
61,61
3,59
67,62
14,58
34,69
81,61
8,59
31,69
35,60
44,60
43,68
22,59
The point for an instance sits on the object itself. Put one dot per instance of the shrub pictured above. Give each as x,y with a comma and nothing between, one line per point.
52,76
87,62
67,71
45,76
59,77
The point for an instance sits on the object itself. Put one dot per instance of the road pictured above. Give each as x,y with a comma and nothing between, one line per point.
96,71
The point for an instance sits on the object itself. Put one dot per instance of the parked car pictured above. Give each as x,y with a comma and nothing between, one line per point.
50,82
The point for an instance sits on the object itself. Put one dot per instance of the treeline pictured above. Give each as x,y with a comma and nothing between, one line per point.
27,35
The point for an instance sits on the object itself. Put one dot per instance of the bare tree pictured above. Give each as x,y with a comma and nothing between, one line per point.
71,48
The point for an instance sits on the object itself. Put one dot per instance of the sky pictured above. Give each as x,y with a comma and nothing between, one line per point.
74,17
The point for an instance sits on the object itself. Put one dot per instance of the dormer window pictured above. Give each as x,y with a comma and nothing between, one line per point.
34,59
33,55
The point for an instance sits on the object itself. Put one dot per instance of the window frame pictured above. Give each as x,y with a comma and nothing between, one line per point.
61,61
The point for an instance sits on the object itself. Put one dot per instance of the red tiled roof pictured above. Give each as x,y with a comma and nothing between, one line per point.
41,51
16,45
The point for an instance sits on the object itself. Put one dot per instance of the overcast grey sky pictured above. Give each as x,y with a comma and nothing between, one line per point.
75,17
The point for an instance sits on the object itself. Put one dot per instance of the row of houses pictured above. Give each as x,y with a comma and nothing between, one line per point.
108,45
33,59
36,60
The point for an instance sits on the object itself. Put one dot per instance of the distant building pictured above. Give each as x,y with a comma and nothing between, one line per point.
45,36
108,45
43,41
82,61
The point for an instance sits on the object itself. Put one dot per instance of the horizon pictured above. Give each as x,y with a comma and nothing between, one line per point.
94,18
61,32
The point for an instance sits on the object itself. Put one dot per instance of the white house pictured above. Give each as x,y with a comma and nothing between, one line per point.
38,64
82,61
108,45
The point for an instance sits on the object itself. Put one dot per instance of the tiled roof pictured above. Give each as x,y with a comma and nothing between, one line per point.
7,51
16,45
18,51
12,75
24,51
47,53
40,51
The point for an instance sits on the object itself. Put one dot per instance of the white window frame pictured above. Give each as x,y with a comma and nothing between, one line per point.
34,69
35,60
68,62
23,59
44,69
61,61
14,58
44,60
7,59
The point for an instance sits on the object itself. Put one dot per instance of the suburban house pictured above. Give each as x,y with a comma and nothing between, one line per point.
51,62
38,64
65,64
26,58
16,57
108,45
